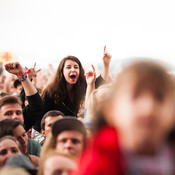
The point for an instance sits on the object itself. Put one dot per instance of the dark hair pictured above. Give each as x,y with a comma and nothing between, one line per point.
16,83
7,126
9,99
53,113
69,123
3,94
1,70
57,89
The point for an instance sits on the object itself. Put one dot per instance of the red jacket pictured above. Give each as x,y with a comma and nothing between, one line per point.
102,155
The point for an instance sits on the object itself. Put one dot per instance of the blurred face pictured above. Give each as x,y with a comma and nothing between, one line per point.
100,96
59,165
20,134
12,89
70,142
11,111
49,122
18,89
142,118
7,148
71,72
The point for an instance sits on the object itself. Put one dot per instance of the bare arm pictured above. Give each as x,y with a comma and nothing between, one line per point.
90,79
106,63
16,69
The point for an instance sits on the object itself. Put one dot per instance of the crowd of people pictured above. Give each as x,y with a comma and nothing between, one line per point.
70,122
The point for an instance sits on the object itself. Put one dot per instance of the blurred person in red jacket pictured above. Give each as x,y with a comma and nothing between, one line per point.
133,123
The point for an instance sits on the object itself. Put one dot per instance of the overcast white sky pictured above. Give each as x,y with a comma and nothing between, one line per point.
45,31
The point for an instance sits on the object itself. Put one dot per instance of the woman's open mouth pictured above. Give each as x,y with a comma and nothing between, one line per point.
72,77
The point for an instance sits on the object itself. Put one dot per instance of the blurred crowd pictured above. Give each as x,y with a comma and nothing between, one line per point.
71,122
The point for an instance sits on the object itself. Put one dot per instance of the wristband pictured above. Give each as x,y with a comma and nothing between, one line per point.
24,75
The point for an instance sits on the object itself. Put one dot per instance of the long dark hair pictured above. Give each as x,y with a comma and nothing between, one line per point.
8,125
57,89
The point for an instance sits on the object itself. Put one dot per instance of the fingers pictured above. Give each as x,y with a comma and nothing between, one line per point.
10,66
93,68
106,53
104,49
33,68
38,70
34,65
89,73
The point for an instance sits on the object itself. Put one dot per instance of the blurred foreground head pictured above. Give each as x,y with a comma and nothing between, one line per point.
142,106
13,170
57,163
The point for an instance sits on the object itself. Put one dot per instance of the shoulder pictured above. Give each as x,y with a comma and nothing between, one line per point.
46,96
33,142
106,138
34,160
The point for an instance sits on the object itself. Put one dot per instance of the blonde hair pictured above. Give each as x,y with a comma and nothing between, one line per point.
48,146
49,154
95,104
13,170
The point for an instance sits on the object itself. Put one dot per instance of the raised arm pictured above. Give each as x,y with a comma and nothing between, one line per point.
90,79
16,69
31,75
33,111
106,63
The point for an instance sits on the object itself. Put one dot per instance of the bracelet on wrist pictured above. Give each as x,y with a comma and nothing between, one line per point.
24,76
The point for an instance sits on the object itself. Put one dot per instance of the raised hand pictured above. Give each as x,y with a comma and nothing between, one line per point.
106,57
91,76
14,68
32,72
90,79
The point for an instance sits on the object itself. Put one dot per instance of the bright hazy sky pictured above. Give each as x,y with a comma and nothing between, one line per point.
45,31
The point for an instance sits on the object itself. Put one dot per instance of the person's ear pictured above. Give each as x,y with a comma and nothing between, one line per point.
43,132
23,119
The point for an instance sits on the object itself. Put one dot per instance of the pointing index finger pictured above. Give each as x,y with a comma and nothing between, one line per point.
93,68
34,65
104,49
